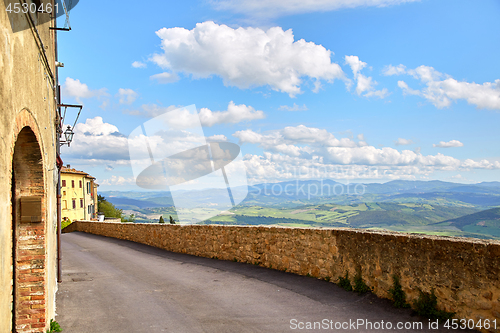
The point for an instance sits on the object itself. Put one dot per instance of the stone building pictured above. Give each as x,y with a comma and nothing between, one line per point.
79,195
28,173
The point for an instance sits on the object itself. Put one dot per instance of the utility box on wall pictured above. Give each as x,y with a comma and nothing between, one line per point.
31,209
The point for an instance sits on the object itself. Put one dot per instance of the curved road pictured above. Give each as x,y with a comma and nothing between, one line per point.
111,285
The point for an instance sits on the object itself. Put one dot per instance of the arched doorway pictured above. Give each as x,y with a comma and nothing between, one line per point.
28,234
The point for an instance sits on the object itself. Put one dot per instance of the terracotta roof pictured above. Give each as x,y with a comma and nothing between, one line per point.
74,171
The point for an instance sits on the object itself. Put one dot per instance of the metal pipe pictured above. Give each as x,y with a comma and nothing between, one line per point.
58,150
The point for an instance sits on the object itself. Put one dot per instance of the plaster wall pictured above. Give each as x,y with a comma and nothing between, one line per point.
27,100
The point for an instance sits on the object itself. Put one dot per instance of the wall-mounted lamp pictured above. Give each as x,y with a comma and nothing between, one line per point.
68,135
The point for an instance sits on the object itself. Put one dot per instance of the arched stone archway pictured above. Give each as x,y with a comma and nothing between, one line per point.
28,234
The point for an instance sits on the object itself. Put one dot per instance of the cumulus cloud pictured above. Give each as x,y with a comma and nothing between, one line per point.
441,89
294,107
246,57
78,90
293,141
97,140
139,64
365,84
276,8
127,96
449,144
403,142
302,152
217,138
483,164
181,117
390,70
407,90
150,110
118,180
165,77
234,114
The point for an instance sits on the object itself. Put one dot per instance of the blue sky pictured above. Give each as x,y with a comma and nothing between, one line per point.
364,91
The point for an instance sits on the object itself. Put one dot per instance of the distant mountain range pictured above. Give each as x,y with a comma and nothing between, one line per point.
485,222
296,193
432,207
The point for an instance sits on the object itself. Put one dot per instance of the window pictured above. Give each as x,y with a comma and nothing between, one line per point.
73,184
80,184
64,192
64,183
64,204
81,203
74,203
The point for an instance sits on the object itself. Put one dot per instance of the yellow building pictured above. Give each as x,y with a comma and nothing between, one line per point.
78,195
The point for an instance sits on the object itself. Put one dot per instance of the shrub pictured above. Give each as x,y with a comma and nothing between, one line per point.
54,327
161,220
64,224
359,285
397,293
344,282
426,306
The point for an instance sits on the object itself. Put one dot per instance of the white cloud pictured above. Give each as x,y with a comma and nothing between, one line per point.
441,89
449,144
407,90
217,138
127,96
139,64
74,88
276,8
151,110
246,57
295,107
403,142
365,84
118,180
291,140
165,77
394,70
98,140
181,117
483,164
302,152
355,64
234,114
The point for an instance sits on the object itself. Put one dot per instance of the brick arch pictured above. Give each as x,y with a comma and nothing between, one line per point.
28,199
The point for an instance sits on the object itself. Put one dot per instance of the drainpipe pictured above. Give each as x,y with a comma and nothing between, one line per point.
58,149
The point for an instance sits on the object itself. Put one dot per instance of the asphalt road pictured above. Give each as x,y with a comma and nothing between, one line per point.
111,285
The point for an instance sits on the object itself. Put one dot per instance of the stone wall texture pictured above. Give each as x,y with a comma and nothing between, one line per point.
464,273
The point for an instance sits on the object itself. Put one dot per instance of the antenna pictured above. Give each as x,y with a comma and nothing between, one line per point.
67,9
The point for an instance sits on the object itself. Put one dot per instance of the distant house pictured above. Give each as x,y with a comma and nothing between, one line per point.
78,195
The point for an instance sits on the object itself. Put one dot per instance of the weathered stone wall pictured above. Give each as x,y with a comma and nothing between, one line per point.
464,273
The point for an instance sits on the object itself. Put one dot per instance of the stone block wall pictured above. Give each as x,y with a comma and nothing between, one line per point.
464,273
